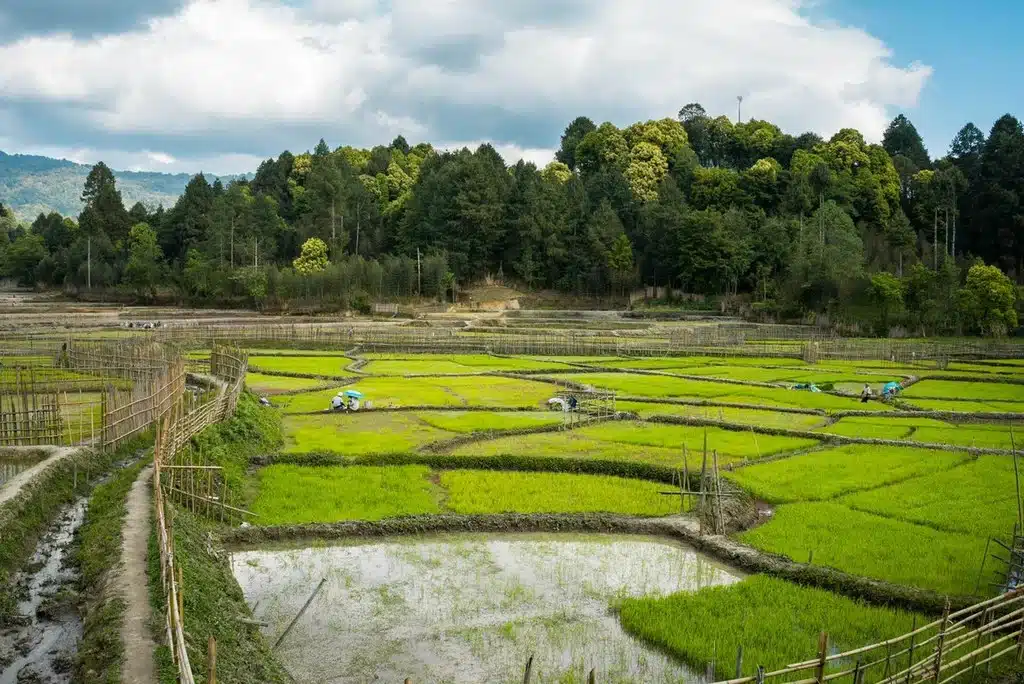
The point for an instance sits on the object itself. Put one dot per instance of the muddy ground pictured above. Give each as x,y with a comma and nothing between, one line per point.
41,645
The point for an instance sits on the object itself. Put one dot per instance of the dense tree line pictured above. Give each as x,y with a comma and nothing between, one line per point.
791,227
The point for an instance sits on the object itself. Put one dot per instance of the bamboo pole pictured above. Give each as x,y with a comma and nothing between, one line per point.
819,673
211,661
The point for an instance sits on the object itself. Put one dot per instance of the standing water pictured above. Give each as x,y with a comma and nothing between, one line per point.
470,608
43,648
13,463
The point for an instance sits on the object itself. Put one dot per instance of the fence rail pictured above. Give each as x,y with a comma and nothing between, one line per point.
941,651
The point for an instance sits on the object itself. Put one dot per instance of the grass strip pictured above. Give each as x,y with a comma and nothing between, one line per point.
213,602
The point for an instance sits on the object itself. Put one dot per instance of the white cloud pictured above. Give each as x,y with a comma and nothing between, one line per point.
341,66
510,152
160,157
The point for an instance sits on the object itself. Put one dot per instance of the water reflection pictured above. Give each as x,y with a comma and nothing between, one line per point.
470,608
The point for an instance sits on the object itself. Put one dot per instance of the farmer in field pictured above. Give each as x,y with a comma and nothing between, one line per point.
865,395
338,402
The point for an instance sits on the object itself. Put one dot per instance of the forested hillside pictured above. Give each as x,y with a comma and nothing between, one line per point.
785,226
31,185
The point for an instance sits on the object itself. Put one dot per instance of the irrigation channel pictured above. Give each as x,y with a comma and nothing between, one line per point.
469,607
41,645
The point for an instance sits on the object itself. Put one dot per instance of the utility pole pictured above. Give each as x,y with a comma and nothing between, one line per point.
232,241
739,109
419,275
935,241
945,239
88,260
334,237
256,256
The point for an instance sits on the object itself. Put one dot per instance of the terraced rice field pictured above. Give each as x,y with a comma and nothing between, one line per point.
912,515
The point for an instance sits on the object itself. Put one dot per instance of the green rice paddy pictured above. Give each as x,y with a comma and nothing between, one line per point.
915,516
777,623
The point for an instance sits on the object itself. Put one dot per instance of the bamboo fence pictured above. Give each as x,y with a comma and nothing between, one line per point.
126,413
955,646
170,574
720,339
30,418
200,488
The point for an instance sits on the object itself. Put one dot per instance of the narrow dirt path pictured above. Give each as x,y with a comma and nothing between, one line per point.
132,584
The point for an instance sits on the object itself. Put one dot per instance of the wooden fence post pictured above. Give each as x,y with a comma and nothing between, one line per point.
910,652
939,642
211,661
1020,642
819,672
739,661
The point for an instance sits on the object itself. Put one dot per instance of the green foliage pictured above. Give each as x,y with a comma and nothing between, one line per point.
880,427
488,421
887,296
23,258
313,258
258,382
706,205
989,299
397,364
776,623
143,269
872,546
641,442
321,366
254,429
387,392
951,389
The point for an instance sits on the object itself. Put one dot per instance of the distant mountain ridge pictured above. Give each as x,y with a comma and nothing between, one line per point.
31,185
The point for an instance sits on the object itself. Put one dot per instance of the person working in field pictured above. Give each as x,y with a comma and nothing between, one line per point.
338,402
890,391
865,395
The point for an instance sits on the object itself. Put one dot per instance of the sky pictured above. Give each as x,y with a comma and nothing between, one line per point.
219,85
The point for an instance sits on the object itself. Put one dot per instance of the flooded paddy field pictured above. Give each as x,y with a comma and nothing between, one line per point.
13,463
469,607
